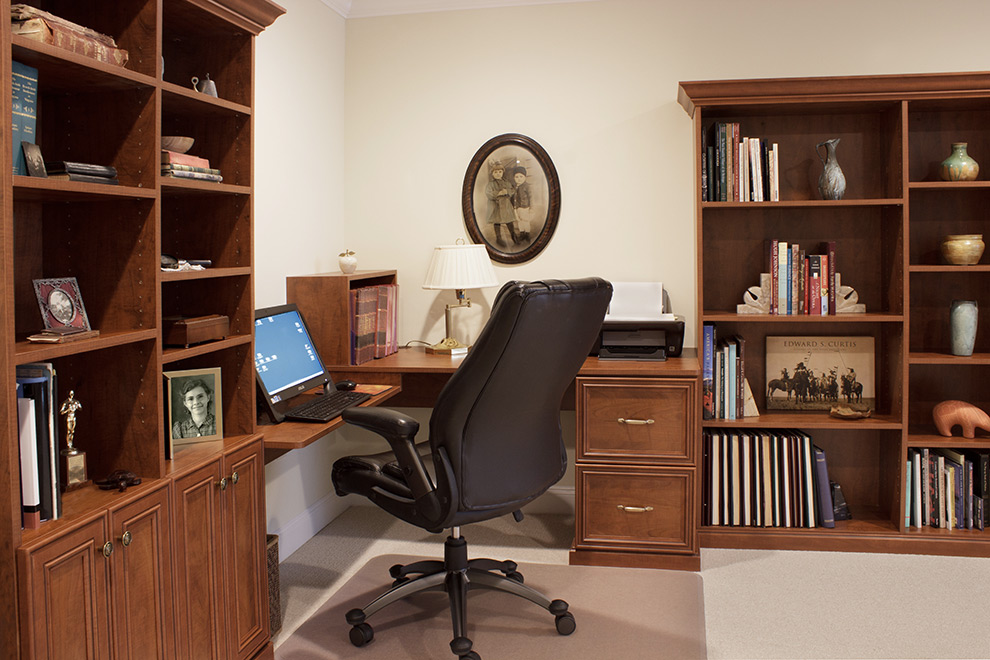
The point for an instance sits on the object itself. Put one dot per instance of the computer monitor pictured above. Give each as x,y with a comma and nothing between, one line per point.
285,359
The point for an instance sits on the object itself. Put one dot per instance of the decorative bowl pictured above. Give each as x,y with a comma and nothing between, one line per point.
962,249
177,143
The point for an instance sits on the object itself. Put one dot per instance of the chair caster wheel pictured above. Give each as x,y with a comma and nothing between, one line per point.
515,575
361,634
565,623
471,656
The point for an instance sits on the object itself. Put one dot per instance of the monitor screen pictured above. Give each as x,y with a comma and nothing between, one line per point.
285,358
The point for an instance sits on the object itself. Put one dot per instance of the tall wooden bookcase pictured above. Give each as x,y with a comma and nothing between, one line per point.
174,567
894,130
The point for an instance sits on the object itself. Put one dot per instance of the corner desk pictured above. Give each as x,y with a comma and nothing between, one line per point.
637,458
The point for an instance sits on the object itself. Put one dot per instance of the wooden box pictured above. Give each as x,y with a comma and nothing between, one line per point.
183,331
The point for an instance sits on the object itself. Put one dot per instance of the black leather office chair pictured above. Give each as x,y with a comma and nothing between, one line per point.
494,446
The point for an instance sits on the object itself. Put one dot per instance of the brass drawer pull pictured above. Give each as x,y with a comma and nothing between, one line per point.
623,420
107,549
635,509
125,539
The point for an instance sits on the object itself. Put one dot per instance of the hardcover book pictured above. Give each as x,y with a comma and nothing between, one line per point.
24,111
815,373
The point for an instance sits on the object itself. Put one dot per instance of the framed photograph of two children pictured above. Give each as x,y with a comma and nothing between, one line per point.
511,198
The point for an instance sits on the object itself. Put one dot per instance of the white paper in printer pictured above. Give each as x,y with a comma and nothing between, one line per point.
637,301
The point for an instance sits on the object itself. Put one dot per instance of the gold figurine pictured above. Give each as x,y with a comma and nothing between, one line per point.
73,460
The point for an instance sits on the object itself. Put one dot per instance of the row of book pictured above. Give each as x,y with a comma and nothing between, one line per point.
801,283
765,478
188,166
947,488
374,322
723,371
37,426
737,168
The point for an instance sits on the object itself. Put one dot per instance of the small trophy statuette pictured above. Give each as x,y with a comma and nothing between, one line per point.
73,460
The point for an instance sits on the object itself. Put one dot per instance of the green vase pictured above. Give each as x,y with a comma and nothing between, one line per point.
959,166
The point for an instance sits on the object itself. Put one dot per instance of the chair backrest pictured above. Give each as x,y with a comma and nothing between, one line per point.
495,429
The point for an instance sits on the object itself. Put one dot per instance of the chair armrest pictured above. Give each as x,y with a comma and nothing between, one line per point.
399,430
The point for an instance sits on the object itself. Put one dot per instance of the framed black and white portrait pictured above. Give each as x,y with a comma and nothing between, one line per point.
194,412
511,198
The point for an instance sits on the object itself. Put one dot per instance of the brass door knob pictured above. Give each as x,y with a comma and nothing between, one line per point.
125,539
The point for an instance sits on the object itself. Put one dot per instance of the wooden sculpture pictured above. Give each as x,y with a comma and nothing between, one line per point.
950,413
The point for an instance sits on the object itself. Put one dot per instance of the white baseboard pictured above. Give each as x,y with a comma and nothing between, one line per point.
557,500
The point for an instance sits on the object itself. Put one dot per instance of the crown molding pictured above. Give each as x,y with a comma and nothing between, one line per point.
370,8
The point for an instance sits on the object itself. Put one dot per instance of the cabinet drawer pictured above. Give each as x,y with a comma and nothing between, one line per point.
635,509
636,419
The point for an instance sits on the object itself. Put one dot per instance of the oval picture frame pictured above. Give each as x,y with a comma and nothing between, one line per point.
514,215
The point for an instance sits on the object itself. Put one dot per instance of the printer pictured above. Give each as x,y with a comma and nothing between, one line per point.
637,325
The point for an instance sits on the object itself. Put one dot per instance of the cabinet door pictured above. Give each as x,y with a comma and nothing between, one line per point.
244,553
199,572
65,611
143,621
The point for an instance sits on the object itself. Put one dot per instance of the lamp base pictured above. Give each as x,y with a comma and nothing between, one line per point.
448,346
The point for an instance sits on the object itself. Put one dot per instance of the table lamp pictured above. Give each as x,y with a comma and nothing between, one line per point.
458,267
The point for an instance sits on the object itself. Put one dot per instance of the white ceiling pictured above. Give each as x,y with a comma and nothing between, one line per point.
366,8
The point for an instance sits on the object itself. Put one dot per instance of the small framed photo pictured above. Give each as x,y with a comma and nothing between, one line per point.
816,373
511,198
32,157
194,411
61,304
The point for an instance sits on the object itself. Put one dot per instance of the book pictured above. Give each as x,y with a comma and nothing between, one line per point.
176,167
828,247
54,337
793,363
47,28
24,111
84,178
364,319
200,176
823,492
30,484
36,381
62,167
175,158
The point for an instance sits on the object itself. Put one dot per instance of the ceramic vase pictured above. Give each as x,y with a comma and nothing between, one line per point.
962,322
832,183
962,249
959,166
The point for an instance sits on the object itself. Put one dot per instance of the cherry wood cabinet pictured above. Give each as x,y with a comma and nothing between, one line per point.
59,596
104,584
894,130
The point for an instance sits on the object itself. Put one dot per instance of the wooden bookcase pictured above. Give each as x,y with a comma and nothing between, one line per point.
324,300
110,238
894,132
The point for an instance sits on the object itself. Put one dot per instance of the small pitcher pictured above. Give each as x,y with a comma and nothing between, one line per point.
832,183
206,85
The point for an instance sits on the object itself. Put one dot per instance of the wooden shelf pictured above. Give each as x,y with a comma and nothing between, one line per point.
895,131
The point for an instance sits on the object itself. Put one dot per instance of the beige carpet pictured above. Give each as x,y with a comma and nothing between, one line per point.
620,613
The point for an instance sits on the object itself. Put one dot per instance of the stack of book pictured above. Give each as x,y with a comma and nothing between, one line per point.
374,322
738,168
186,166
947,488
37,418
85,172
801,283
765,478
723,367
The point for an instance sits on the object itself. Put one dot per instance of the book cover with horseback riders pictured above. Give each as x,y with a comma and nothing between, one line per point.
816,373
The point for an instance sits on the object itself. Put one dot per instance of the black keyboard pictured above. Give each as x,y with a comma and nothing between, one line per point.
326,406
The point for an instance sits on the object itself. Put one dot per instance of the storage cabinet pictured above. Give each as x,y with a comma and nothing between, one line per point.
635,491
59,596
104,584
894,130
221,580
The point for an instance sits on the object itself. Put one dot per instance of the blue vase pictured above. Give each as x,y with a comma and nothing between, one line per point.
962,322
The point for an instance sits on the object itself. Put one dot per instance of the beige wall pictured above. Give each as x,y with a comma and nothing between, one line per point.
594,83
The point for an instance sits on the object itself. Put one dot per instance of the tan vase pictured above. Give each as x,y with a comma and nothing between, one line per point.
962,249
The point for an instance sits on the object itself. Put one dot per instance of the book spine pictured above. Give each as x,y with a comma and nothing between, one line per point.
176,167
200,176
740,377
24,111
774,265
830,251
707,371
61,36
823,280
782,278
823,490
61,167
30,484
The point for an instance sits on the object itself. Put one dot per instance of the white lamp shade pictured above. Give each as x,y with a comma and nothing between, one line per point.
460,267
